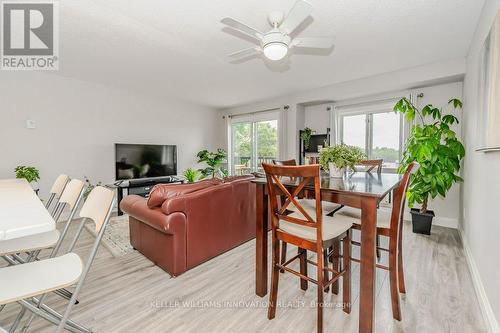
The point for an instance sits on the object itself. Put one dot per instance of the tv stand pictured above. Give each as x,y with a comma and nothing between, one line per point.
142,187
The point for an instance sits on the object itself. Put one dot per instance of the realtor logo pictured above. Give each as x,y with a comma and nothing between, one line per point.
29,35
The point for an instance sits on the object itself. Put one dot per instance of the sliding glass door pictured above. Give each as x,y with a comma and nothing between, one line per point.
254,139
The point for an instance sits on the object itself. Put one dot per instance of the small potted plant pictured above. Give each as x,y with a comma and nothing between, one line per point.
191,175
31,174
435,146
336,159
89,186
305,135
214,162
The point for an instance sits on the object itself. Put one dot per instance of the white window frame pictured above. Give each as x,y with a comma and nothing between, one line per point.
253,118
369,109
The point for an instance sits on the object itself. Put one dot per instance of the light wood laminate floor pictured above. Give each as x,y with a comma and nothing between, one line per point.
130,294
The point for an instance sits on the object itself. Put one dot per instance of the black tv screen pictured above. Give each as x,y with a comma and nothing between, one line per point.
145,161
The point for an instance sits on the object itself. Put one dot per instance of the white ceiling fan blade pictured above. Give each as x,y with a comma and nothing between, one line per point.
313,42
300,11
245,53
242,27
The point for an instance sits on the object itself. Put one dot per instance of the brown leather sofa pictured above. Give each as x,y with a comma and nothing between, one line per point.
182,226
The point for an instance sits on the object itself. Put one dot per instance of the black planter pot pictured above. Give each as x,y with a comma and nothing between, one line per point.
422,223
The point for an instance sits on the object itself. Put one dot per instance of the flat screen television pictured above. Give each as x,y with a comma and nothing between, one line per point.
134,161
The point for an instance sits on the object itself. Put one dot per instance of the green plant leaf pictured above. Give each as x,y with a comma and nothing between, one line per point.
342,156
214,161
427,110
456,103
450,119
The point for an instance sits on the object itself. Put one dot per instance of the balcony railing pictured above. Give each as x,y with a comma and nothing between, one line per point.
243,165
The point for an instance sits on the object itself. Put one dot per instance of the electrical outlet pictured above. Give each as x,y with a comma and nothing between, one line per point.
30,124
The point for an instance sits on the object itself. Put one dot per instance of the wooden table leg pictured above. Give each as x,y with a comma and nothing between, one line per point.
261,241
368,265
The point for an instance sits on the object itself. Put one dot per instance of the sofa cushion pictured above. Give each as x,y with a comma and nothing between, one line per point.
232,179
162,192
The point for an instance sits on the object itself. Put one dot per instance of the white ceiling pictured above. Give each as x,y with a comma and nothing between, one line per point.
178,47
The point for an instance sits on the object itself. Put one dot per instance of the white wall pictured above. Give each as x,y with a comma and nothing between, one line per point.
481,190
427,79
78,122
317,118
445,71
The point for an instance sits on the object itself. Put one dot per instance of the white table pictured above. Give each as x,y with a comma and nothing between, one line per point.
22,213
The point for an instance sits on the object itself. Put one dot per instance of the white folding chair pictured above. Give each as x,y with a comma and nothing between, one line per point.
39,278
56,191
70,197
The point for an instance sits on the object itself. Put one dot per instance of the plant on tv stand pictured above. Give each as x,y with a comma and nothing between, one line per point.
214,162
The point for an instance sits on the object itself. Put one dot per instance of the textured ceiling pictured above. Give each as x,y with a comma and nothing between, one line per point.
178,48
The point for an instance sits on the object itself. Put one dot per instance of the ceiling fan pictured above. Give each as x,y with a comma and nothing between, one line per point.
276,43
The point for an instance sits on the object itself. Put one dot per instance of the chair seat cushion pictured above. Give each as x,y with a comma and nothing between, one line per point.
383,217
310,206
332,227
39,277
34,242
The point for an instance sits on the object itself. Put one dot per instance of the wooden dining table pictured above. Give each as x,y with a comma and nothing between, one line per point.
362,190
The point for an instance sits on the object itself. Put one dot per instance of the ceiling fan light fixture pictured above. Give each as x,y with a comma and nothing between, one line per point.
275,51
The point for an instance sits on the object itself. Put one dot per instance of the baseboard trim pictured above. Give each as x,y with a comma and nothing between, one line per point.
439,221
445,222
484,303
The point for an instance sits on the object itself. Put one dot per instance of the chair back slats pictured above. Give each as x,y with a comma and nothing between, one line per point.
290,198
372,164
291,162
72,192
295,220
400,196
97,205
276,180
59,185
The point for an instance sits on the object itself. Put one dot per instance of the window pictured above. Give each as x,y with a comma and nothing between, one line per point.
379,134
354,129
254,139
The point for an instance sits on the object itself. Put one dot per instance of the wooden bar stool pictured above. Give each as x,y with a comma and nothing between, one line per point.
300,229
389,225
309,204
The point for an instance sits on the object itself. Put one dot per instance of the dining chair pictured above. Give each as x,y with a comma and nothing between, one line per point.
306,202
27,284
391,226
368,165
371,164
301,229
56,191
291,162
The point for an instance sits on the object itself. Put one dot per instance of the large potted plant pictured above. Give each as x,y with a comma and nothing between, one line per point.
31,174
214,162
336,159
435,146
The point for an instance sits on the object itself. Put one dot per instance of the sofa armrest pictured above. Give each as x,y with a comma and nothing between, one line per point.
137,207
